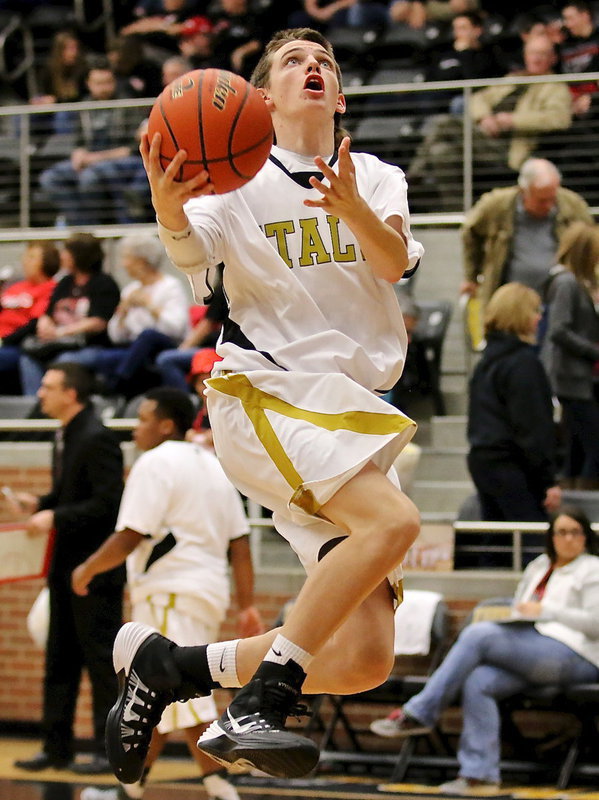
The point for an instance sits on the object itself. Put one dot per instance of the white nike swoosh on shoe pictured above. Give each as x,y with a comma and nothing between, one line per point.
237,728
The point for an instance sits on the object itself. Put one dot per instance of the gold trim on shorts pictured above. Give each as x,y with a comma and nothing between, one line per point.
163,628
256,402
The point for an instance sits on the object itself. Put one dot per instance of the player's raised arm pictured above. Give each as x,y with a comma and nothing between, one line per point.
381,241
168,194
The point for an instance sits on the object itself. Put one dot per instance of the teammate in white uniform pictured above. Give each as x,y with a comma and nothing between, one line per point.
179,520
315,333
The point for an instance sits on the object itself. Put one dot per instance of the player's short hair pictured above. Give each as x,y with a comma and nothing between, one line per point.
510,309
75,376
261,73
173,404
145,246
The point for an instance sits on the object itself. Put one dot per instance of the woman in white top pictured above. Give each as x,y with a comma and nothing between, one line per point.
152,316
311,246
552,638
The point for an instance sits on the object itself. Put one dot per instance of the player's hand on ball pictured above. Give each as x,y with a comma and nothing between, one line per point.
341,196
168,194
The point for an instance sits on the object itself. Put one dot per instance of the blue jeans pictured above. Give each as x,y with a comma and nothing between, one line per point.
32,370
96,193
9,362
173,366
488,663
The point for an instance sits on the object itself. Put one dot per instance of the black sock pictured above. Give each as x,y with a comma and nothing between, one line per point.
193,666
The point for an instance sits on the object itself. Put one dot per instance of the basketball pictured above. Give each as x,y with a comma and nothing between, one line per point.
220,120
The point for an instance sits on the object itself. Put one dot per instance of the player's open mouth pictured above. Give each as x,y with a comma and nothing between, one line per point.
314,83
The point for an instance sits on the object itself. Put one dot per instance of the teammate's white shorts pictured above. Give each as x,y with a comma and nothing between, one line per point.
289,441
170,615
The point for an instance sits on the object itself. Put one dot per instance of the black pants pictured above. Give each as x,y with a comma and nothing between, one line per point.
82,633
507,493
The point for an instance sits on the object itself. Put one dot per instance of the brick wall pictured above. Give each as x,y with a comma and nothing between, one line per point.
21,664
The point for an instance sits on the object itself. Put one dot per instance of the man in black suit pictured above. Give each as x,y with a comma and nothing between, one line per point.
82,506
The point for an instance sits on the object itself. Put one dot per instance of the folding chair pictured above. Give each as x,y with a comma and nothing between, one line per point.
428,339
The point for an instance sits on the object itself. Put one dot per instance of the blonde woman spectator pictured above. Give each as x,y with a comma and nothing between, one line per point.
510,415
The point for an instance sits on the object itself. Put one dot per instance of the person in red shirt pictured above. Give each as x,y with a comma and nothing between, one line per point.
26,300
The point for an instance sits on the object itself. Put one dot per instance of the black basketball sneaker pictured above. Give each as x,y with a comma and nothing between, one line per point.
251,732
149,680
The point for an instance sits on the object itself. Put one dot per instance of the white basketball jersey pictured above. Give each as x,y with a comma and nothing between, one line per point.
301,295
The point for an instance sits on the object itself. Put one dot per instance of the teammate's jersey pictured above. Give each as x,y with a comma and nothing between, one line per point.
301,295
178,496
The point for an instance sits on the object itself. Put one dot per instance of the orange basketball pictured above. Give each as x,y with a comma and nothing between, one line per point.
220,120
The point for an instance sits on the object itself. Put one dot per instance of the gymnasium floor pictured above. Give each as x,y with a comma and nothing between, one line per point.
176,779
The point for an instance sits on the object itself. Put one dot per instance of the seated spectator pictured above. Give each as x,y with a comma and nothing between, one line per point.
571,347
173,365
417,14
556,643
510,121
26,300
466,58
579,51
152,316
87,188
62,80
527,25
195,42
74,325
236,37
512,233
173,68
136,75
324,15
202,365
512,456
159,22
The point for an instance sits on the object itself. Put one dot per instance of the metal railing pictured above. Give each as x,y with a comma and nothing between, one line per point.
519,533
389,120
272,555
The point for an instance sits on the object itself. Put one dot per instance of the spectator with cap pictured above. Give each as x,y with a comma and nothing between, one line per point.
195,42
202,365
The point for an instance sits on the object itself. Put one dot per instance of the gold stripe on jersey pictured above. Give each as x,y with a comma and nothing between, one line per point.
256,402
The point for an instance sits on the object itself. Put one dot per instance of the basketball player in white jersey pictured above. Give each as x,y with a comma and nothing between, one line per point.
315,335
